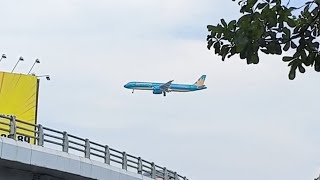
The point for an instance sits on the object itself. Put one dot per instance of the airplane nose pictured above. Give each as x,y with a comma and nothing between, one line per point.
126,86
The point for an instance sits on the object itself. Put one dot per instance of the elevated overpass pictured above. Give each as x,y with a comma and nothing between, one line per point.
55,155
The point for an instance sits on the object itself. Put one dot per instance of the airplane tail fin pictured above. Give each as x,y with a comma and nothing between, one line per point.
200,81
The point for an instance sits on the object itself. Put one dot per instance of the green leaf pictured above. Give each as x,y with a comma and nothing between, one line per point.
265,51
286,46
303,55
278,49
291,22
210,27
315,11
314,32
316,45
216,47
213,34
296,30
296,54
281,25
255,58
292,72
310,60
210,43
251,3
273,35
209,37
287,58
287,33
293,45
224,51
241,43
232,52
219,35
317,64
246,8
232,24
301,69
224,23
261,5
291,63
243,55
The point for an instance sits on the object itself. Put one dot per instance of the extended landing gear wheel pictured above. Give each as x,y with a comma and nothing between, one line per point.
132,91
164,93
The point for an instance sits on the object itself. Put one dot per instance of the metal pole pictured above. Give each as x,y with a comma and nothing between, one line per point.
40,135
107,155
65,143
166,175
32,67
153,170
124,160
36,61
15,66
13,127
139,165
175,176
87,150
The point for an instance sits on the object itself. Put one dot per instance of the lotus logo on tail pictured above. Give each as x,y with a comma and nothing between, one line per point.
200,81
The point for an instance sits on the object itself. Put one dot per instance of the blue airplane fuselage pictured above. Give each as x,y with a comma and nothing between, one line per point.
173,87
164,88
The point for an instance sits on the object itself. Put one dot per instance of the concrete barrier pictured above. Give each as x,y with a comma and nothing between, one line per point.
27,161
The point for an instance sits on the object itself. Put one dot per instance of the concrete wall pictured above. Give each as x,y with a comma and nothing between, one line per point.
17,174
20,160
13,174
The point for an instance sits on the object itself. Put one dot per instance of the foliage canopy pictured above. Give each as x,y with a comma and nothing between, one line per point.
271,27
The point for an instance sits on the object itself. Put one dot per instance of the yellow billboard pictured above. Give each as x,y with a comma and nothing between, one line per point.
19,97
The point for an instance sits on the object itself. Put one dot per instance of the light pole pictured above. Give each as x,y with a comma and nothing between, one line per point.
20,59
36,61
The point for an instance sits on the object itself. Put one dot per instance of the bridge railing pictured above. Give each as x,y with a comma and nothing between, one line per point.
44,136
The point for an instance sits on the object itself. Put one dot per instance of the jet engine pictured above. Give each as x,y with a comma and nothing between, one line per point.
157,90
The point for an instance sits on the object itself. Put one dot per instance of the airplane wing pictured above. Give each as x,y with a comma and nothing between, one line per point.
165,87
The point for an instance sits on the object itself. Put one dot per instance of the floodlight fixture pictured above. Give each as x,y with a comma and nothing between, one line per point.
35,62
3,56
46,76
20,59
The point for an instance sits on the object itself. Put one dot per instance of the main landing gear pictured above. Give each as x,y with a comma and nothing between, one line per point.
164,93
132,91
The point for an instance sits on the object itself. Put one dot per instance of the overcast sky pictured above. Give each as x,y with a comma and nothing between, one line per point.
251,123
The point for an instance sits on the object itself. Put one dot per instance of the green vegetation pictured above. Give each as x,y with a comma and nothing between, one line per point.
271,27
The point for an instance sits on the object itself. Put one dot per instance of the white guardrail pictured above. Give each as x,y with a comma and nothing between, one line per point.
46,137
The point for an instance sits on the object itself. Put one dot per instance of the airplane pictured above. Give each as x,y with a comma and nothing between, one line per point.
164,88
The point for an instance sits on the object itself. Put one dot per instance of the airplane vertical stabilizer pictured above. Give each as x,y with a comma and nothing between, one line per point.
200,81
